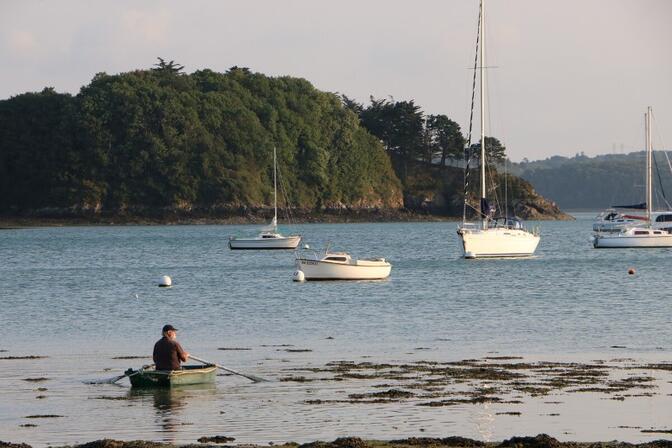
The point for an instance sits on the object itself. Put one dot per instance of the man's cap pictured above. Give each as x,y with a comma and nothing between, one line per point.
168,328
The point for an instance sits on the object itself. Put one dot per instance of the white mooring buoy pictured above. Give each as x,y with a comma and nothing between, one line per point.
165,282
299,276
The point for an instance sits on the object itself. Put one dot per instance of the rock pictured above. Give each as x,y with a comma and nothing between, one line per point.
539,441
13,445
216,439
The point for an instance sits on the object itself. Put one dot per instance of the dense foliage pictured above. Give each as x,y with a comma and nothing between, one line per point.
163,138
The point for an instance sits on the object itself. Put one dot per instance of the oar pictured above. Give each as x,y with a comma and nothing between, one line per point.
120,377
256,379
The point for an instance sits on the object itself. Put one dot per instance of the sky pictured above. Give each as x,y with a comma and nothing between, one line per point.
566,76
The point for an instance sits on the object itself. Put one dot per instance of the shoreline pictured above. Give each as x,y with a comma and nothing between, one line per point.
538,441
262,217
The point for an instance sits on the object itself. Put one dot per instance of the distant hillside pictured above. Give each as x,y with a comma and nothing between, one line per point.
583,182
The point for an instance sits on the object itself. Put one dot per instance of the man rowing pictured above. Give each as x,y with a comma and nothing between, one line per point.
168,353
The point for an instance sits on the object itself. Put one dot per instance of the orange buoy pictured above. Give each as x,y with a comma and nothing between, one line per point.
631,271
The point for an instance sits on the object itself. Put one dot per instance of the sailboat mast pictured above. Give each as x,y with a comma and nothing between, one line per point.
482,94
649,152
275,188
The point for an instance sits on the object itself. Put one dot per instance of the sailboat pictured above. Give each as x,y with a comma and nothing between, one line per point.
638,235
492,237
269,237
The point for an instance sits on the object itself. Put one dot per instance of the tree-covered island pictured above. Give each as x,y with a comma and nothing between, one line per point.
163,145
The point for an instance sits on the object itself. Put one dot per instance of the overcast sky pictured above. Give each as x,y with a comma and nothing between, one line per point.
570,76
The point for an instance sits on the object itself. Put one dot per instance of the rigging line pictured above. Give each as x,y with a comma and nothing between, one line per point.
468,151
662,142
285,196
655,162
660,180
492,105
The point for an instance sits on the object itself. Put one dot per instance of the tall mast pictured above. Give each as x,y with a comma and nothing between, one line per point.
275,189
649,157
482,94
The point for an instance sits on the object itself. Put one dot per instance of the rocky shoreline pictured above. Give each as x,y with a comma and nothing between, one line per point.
539,441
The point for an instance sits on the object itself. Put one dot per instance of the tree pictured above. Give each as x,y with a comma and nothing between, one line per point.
445,138
352,105
168,67
400,126
495,152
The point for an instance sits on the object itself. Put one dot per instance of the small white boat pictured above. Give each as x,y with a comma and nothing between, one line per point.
644,235
269,238
341,266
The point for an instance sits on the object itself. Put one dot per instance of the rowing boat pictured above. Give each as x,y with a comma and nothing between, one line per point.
169,378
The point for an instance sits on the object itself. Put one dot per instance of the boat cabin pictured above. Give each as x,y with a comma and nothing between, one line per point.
507,222
338,257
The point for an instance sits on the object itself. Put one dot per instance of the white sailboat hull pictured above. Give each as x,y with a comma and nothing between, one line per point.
497,242
285,242
357,270
622,240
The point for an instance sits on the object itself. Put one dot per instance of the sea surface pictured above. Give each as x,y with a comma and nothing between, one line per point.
84,296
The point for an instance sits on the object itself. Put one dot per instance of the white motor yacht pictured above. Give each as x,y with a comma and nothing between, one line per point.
633,237
612,220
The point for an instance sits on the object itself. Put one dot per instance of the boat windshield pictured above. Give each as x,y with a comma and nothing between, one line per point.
506,222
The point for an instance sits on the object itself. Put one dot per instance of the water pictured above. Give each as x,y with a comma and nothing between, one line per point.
70,294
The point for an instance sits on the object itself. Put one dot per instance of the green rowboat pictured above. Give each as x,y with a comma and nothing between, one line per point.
169,378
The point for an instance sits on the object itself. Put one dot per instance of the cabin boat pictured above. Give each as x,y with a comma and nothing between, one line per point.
611,220
267,240
341,266
188,375
633,237
497,238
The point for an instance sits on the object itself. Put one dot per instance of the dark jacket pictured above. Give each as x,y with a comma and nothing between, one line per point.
168,354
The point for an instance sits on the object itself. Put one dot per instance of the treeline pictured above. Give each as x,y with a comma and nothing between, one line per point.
583,182
163,138
409,135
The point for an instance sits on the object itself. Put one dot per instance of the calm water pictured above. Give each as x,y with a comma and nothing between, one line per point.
84,295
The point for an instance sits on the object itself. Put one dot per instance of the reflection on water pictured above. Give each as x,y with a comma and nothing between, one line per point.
169,402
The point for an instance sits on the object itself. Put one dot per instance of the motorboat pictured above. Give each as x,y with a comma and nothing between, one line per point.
340,266
269,238
645,234
611,220
490,237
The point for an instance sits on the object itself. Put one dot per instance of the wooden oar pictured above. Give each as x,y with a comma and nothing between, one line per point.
256,379
120,377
